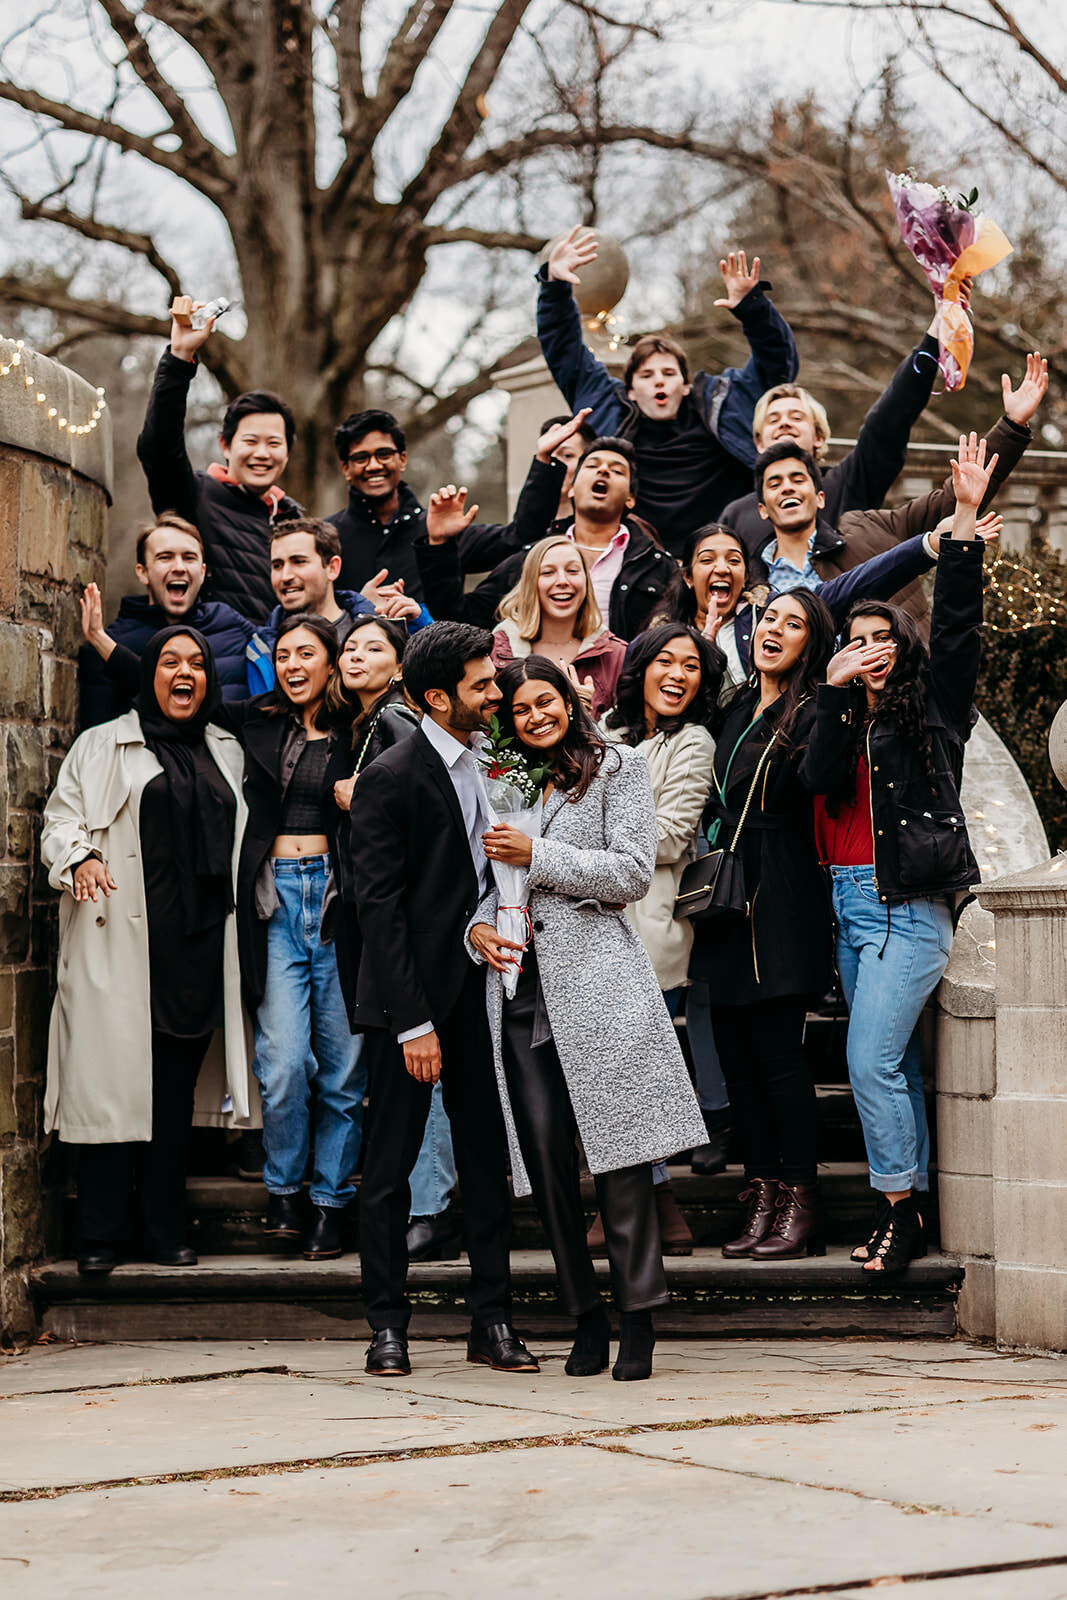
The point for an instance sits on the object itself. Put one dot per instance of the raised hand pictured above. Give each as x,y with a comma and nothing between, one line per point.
92,877
185,342
92,618
585,687
575,250
1021,403
554,437
737,277
400,607
970,475
446,514
857,657
987,529
378,590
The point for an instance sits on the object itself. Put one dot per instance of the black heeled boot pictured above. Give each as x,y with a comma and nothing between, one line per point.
637,1340
591,1348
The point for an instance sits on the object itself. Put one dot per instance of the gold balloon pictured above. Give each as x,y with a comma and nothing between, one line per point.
604,283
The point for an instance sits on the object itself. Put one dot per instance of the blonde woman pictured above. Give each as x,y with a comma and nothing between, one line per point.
552,612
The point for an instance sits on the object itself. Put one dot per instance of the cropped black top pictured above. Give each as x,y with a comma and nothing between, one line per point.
306,807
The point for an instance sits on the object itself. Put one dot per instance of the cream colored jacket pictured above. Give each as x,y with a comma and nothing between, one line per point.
680,767
99,1087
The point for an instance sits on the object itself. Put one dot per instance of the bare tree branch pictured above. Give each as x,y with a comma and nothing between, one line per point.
139,243
423,423
97,127
198,150
490,238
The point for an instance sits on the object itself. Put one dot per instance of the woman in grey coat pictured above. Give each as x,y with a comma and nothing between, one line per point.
586,1046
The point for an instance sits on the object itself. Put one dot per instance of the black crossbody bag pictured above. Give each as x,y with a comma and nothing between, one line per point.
714,885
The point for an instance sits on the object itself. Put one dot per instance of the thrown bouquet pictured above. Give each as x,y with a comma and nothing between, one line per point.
951,241
514,788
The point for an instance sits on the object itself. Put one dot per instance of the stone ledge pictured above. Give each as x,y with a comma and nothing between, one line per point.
25,424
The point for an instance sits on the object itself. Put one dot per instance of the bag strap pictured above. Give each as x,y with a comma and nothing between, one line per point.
740,741
752,790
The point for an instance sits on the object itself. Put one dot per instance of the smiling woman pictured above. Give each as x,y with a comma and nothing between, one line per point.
148,809
552,612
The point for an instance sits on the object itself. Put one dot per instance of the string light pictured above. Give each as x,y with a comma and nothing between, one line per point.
608,327
1026,601
16,364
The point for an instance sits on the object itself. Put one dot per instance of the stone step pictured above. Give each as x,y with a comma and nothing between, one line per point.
226,1214
261,1297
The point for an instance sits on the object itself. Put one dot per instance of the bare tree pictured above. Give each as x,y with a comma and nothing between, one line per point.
330,246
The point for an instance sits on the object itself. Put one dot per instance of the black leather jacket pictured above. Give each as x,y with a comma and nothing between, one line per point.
921,848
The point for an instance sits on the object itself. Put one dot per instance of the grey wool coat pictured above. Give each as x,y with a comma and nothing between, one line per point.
625,1073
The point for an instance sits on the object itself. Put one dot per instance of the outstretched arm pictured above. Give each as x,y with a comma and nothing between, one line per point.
161,445
956,618
579,376
774,356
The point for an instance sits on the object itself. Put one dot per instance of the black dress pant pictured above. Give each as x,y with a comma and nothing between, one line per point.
396,1121
772,1096
547,1130
110,1175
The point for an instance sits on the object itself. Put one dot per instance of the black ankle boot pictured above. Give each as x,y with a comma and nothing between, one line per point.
637,1340
589,1353
711,1157
902,1241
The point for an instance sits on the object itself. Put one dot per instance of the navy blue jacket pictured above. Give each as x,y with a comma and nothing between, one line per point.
228,633
725,401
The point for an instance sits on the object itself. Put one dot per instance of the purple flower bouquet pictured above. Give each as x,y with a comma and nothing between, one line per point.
951,242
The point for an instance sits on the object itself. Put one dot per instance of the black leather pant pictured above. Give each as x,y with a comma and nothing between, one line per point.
547,1130
109,1175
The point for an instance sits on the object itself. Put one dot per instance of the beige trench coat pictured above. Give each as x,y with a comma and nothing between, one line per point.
680,766
99,1086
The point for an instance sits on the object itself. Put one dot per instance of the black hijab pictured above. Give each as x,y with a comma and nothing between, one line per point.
202,805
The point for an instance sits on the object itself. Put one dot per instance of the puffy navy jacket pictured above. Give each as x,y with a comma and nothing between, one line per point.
227,632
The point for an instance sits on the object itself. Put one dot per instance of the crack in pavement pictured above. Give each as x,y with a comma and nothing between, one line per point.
589,1436
150,1383
987,1569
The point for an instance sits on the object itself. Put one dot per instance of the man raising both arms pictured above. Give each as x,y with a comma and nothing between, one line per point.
693,438
233,505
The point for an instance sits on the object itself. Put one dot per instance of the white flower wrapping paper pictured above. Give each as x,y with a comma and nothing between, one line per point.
506,804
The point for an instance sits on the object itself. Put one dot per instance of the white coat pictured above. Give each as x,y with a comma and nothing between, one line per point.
99,1084
680,766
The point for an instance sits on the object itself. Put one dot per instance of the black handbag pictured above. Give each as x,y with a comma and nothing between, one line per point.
714,885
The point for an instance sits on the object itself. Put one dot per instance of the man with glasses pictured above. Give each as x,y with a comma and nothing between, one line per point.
383,518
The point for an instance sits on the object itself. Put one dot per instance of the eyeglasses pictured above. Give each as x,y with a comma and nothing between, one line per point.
359,458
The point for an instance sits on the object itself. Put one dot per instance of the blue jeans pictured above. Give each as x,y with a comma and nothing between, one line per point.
890,959
433,1177
307,1062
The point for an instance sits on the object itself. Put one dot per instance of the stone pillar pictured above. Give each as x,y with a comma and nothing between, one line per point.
1027,1126
54,492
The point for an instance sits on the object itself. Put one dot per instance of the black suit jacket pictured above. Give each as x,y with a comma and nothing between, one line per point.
416,888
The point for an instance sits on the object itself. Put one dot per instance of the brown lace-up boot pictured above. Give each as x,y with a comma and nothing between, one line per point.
797,1229
758,1195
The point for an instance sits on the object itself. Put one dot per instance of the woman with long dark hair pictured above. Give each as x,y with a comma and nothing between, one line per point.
586,1046
763,965
884,761
147,809
367,682
665,701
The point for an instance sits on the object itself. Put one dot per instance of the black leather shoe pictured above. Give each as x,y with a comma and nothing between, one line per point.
97,1258
500,1347
711,1157
323,1241
283,1219
434,1238
387,1356
185,1257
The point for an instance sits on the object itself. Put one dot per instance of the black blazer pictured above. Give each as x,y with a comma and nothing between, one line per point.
416,888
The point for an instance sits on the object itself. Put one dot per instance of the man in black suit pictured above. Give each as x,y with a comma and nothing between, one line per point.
417,819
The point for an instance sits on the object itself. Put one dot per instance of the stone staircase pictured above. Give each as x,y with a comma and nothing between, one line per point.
248,1287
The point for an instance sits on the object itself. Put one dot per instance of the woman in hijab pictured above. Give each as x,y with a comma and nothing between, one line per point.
143,833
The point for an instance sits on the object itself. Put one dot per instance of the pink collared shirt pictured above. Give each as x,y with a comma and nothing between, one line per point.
604,571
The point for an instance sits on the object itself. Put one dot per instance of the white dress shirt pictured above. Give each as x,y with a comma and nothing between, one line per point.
469,785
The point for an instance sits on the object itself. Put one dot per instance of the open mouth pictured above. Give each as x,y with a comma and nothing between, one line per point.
672,693
599,488
292,588
770,647
720,590
562,597
541,729
177,588
296,683
182,693
789,502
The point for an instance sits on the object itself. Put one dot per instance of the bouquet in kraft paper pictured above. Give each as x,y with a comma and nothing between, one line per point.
952,241
514,788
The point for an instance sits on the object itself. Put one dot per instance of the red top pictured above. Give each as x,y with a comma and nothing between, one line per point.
847,839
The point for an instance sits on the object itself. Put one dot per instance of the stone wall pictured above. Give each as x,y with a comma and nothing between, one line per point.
54,490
